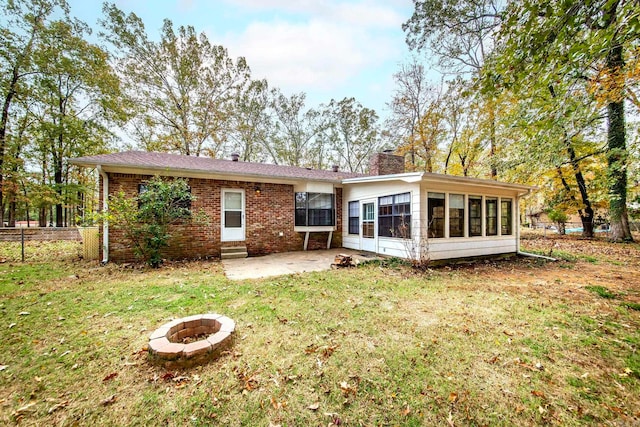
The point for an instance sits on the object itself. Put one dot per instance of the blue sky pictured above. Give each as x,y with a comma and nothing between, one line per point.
325,48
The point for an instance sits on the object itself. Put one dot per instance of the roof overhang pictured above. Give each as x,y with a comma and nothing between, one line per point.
425,177
200,173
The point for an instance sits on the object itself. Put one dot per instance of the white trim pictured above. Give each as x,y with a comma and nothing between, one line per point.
224,238
105,208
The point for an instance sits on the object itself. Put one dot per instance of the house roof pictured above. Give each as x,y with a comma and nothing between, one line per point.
409,177
175,164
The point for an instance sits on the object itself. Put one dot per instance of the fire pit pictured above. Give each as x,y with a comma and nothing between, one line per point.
191,340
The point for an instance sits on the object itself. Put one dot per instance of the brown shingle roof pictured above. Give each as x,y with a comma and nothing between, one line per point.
174,162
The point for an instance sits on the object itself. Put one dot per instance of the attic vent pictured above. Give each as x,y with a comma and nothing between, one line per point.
235,157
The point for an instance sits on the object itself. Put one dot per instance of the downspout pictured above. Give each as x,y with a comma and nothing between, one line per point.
105,207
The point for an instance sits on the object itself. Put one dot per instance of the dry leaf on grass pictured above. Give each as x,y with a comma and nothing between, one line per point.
314,406
110,377
58,406
109,400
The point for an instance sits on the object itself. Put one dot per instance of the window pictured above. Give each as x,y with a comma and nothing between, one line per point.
394,215
184,203
505,217
456,215
314,209
492,216
354,217
475,216
435,203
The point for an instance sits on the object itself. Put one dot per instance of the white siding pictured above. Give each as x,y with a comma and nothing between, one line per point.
438,248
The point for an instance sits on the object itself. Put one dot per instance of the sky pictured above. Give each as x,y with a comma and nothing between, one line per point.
328,49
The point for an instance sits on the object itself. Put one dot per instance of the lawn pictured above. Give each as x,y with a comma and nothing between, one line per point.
510,342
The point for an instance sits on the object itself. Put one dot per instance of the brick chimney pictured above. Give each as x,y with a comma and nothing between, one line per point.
386,163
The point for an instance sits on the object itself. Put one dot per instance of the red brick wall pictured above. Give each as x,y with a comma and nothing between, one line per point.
266,215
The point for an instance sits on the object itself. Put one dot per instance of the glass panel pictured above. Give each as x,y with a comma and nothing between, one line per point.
456,215
403,198
368,230
233,201
301,217
505,213
475,216
301,201
320,201
233,219
354,217
369,213
435,204
354,209
492,216
385,226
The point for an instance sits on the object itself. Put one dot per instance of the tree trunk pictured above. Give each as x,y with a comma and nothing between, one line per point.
42,217
586,214
617,157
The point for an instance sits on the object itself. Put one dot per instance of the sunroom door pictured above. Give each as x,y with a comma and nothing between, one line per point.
232,217
368,240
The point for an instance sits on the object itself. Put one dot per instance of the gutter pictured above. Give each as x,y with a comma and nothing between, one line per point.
105,207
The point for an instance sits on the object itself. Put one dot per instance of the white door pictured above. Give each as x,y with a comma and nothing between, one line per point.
232,217
368,239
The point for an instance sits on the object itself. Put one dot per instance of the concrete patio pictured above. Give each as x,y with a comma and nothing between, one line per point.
288,263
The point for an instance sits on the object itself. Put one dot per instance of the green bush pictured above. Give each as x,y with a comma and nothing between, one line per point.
146,219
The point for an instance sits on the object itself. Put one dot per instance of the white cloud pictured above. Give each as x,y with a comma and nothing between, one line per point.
327,47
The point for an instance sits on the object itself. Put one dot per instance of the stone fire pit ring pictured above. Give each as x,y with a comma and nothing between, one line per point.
191,340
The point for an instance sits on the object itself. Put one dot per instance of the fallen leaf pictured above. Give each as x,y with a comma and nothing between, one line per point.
24,313
109,400
168,376
57,406
406,411
314,406
25,409
3,367
537,393
110,376
453,397
11,325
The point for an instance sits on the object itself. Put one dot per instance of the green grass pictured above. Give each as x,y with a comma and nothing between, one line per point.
375,345
601,291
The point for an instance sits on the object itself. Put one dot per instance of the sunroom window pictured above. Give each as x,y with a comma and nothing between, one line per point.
475,216
506,228
456,215
435,203
492,216
394,215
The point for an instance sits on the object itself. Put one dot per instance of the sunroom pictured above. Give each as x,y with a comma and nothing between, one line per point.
431,215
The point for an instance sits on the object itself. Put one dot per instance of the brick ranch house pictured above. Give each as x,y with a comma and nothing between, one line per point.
257,208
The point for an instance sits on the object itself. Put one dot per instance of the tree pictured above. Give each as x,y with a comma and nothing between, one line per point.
295,132
588,42
76,92
146,220
461,34
252,123
22,27
352,132
184,88
416,115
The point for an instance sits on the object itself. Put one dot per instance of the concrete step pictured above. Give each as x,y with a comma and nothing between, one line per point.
231,252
